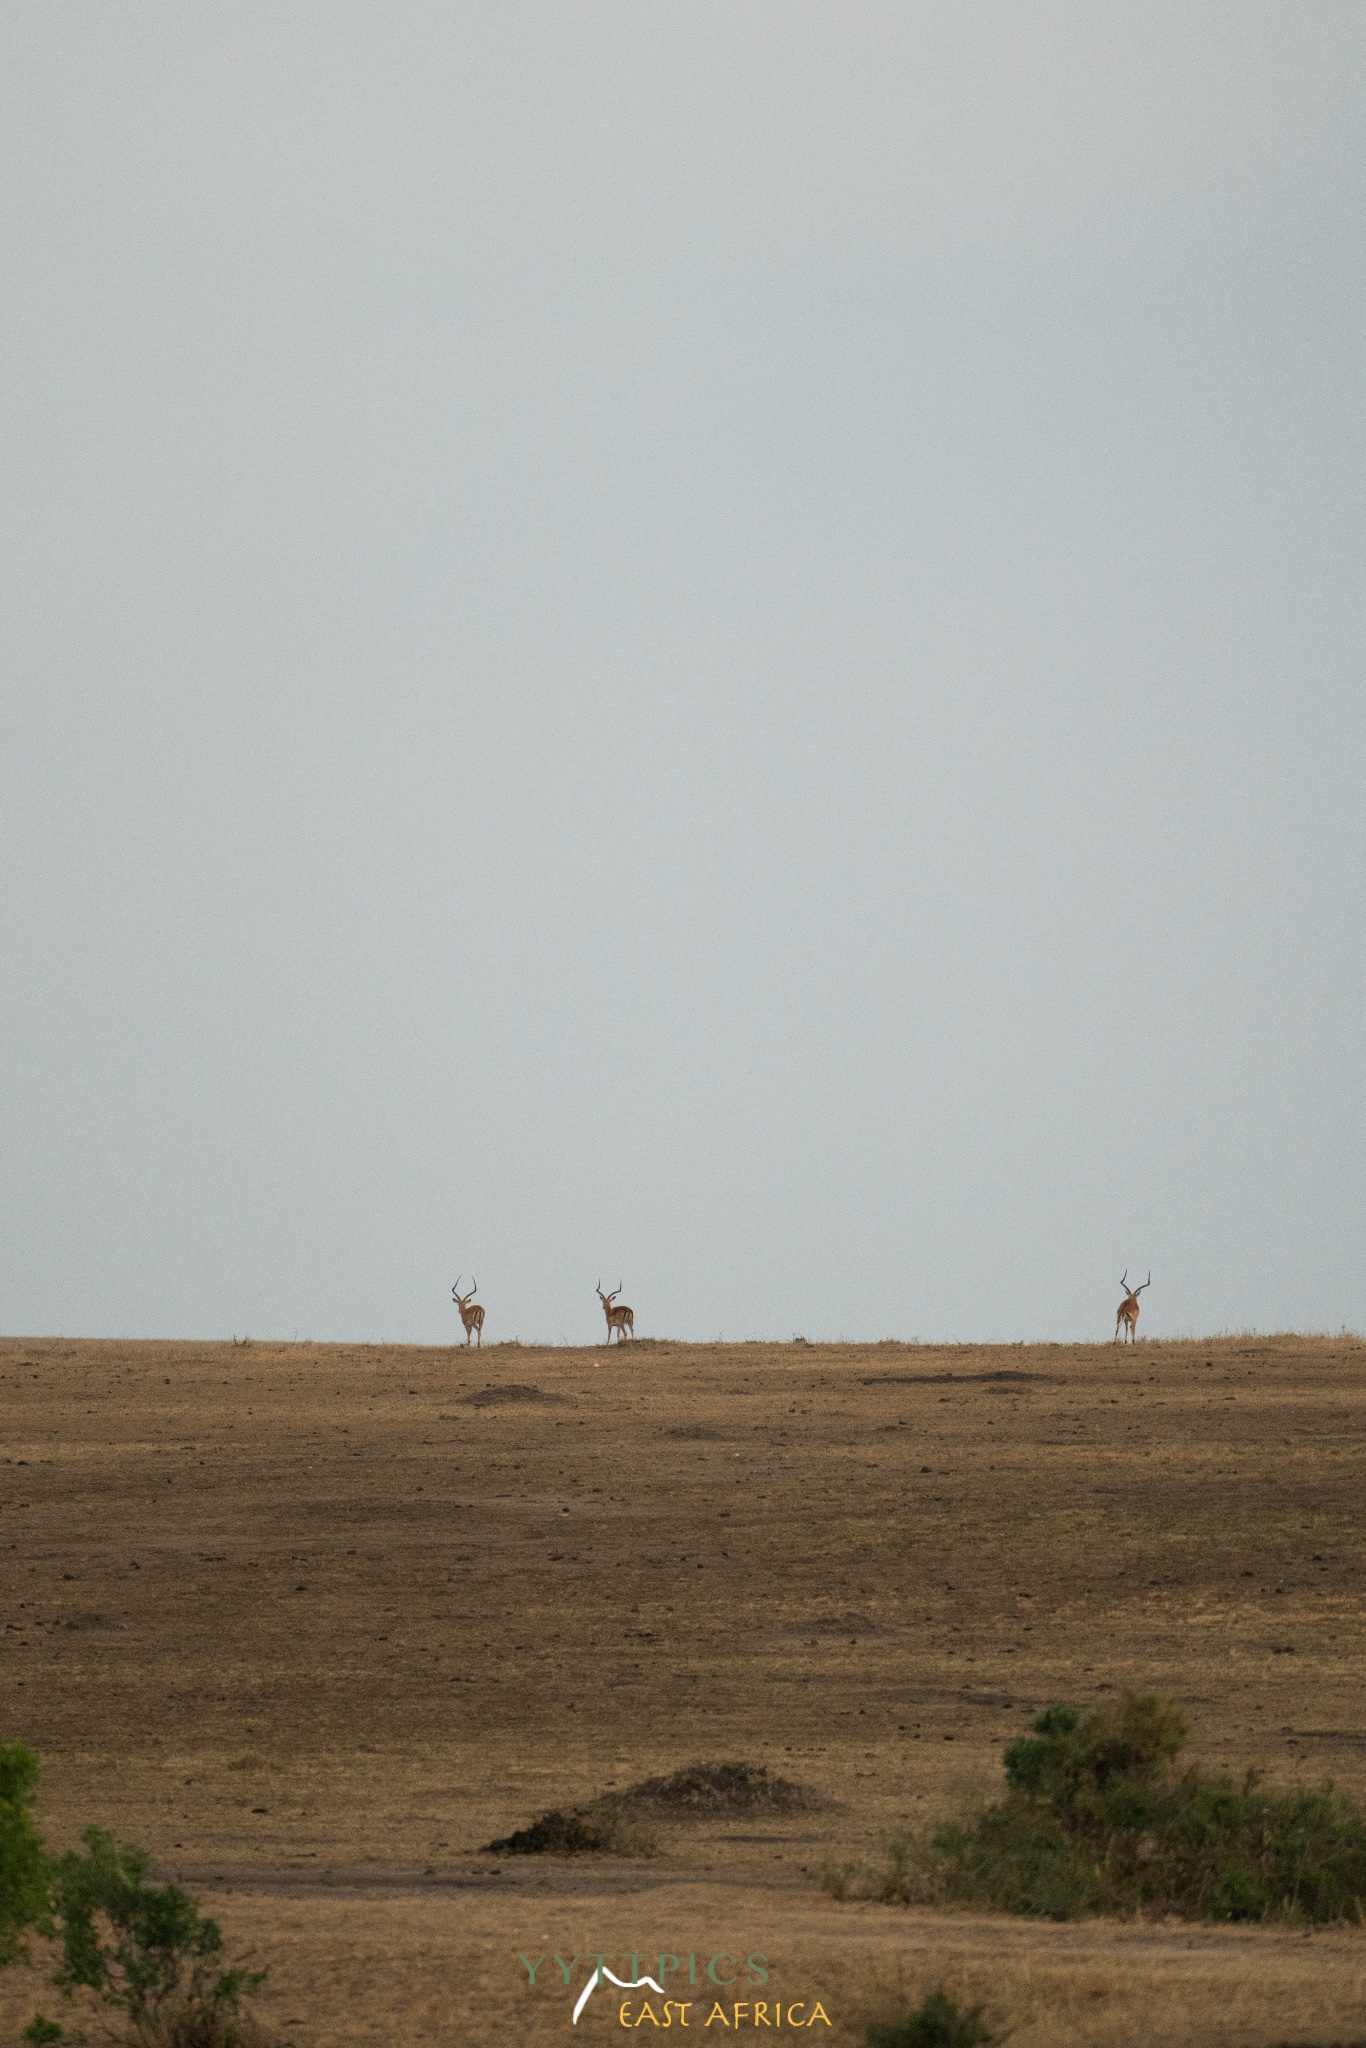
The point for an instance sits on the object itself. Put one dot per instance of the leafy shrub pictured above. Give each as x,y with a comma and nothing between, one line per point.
145,1951
24,1901
939,2022
1096,1819
140,1946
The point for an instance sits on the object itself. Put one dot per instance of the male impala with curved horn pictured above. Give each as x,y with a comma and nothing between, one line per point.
619,1319
1127,1312
471,1316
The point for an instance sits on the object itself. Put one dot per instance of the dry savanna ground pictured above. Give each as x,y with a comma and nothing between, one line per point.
313,1622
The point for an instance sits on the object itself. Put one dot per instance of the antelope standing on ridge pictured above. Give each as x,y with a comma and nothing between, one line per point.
471,1317
619,1319
1127,1312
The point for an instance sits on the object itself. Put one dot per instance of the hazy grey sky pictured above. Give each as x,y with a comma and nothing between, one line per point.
715,643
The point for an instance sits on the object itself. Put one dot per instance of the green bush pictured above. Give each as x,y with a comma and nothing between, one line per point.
1096,1819
144,1948
41,2030
939,2022
24,1898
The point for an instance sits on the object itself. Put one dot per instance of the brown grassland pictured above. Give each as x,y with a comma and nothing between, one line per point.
312,1624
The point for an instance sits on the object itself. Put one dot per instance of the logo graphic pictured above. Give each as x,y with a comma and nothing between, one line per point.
723,1970
620,1982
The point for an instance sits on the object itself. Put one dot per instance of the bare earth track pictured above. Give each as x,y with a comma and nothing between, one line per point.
312,1622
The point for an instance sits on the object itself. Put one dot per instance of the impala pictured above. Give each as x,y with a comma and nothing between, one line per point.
619,1319
471,1317
1127,1313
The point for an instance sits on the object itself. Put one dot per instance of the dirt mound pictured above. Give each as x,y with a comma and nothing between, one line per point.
694,1433
500,1397
597,1830
710,1791
554,1834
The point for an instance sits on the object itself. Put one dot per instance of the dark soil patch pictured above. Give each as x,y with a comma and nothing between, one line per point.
694,1433
957,1379
500,1397
839,1625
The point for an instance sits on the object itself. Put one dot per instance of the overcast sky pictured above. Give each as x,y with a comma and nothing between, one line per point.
711,643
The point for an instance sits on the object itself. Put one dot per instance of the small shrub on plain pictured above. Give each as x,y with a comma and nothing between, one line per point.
938,2022
24,1897
1096,1818
145,1951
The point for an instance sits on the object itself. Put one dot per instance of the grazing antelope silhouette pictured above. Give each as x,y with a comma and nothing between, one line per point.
472,1318
1127,1312
619,1319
